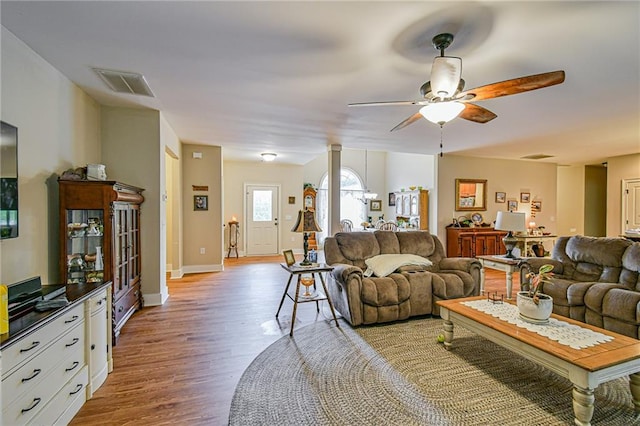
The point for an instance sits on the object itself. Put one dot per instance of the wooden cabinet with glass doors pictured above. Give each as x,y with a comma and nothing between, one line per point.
412,209
100,241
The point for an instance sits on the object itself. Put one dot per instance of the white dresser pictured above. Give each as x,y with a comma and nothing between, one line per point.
54,364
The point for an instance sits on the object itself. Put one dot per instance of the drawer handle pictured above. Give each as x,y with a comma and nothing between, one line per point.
33,346
35,373
75,364
73,318
78,389
120,308
36,401
75,340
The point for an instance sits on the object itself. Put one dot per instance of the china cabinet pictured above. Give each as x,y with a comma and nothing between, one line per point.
100,241
412,207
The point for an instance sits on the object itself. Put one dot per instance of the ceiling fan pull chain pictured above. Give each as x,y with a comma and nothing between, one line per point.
441,140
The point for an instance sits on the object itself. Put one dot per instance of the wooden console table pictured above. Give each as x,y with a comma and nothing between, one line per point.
500,263
473,242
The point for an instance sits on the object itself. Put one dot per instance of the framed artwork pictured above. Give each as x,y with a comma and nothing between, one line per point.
288,257
392,199
501,197
376,205
525,197
536,206
512,205
200,202
292,200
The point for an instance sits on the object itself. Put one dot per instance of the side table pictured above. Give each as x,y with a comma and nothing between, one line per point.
298,271
500,263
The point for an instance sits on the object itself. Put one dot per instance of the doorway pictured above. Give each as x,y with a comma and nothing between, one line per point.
262,219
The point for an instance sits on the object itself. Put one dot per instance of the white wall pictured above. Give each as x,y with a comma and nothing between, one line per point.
571,184
58,128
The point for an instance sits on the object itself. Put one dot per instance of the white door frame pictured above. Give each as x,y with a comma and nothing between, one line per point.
245,209
626,183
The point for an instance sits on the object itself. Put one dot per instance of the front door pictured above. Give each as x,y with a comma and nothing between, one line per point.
262,219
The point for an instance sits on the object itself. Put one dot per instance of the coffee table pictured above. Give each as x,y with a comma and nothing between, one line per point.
585,368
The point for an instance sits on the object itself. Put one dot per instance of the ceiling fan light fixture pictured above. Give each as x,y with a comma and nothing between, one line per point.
268,156
441,112
445,76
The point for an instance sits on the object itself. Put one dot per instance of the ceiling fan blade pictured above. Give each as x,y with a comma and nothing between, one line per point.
388,103
513,86
473,112
415,117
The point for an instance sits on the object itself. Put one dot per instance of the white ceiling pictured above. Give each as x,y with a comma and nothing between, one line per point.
277,76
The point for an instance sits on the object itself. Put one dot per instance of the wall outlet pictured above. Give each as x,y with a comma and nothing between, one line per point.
202,250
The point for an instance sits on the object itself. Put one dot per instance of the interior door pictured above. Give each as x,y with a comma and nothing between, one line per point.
262,219
631,204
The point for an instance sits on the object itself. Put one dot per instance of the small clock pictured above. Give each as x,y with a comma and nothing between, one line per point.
308,202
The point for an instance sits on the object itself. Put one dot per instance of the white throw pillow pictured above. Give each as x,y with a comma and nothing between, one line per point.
384,264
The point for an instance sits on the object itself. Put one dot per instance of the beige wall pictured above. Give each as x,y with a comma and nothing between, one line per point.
58,128
595,201
512,177
133,151
202,229
618,168
289,177
571,186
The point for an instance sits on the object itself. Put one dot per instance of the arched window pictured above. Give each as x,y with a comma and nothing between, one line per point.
351,205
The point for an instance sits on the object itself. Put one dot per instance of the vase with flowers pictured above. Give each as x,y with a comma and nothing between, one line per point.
533,305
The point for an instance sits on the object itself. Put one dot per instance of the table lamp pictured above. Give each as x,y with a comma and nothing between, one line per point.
510,222
306,223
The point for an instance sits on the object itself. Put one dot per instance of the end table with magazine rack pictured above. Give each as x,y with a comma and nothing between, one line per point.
500,263
298,271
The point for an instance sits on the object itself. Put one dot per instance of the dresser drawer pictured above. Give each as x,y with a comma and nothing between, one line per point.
68,348
66,403
98,302
29,346
127,303
63,377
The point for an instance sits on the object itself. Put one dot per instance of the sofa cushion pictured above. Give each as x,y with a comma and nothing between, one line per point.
384,264
596,258
417,242
388,242
385,291
357,246
630,275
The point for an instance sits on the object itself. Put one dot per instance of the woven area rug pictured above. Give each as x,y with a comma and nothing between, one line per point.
398,374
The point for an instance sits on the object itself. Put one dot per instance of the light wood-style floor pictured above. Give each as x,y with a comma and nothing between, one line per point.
180,363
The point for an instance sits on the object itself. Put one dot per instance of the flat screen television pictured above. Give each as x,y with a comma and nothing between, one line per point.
8,181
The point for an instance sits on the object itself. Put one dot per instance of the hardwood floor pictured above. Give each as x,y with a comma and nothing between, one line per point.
179,363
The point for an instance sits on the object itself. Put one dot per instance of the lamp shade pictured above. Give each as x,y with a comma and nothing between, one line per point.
306,222
510,221
445,76
441,112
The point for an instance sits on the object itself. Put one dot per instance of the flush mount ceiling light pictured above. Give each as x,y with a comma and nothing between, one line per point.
268,156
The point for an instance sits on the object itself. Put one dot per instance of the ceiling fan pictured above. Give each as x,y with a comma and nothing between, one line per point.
445,97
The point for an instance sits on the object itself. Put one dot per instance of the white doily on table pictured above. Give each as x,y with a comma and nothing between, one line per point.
564,333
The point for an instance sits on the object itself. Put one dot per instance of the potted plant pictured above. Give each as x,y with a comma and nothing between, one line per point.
533,305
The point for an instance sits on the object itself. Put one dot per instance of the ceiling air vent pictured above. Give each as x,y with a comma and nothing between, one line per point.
536,156
125,82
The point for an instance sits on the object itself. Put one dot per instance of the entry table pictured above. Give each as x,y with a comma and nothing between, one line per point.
297,270
500,263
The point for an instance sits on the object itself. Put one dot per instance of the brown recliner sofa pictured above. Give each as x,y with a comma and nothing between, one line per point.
596,281
409,290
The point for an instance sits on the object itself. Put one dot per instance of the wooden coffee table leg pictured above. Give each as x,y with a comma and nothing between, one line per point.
634,384
582,405
448,334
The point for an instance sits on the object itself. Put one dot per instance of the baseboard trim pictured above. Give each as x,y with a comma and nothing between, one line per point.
198,269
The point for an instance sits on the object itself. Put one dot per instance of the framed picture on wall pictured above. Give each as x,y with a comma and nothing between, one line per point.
512,205
392,199
376,205
501,197
200,202
536,206
524,197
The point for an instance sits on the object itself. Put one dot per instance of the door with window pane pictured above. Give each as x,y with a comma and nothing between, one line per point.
262,220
